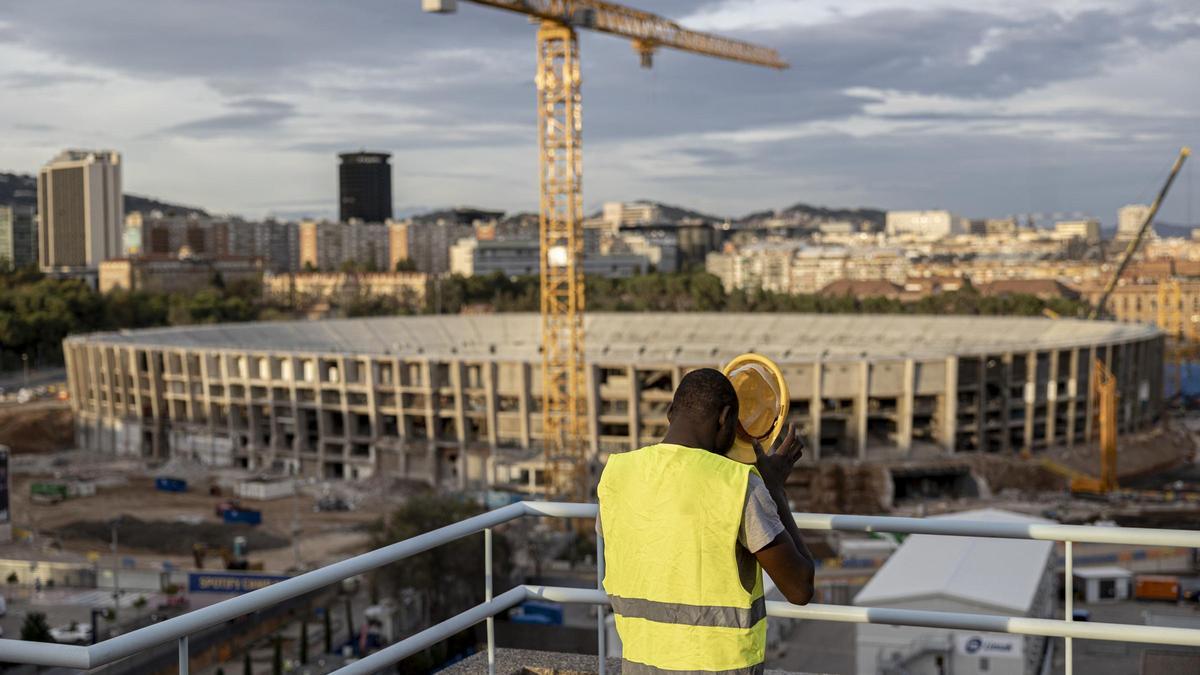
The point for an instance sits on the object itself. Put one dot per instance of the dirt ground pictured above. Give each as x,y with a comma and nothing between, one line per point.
187,517
38,427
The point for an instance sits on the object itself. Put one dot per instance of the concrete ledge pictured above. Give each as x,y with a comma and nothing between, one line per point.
527,662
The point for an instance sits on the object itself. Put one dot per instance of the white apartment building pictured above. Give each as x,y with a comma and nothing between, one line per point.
1130,218
790,267
926,224
624,214
1087,229
81,210
521,257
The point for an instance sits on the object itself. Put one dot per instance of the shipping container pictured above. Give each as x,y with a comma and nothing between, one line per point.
49,493
167,484
247,516
1156,587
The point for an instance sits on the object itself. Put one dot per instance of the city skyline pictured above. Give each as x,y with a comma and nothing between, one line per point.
1075,107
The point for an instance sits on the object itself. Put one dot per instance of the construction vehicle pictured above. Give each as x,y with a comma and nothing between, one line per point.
560,127
1103,386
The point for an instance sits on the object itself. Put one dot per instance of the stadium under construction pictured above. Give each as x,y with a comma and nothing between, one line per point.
455,400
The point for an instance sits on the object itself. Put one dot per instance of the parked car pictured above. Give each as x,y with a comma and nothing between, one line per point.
73,634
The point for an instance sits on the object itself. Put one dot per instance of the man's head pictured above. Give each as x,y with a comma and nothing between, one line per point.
705,409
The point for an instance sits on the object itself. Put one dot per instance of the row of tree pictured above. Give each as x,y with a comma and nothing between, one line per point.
37,312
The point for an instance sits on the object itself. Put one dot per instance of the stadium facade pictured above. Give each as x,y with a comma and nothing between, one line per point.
455,400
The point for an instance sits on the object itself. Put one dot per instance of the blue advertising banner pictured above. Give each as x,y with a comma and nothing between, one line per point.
229,582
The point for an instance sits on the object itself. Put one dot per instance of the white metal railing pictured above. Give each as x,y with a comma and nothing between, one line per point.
179,628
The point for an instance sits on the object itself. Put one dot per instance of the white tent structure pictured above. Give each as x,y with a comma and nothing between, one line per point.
977,575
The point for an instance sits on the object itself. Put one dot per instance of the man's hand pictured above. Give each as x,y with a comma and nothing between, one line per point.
777,466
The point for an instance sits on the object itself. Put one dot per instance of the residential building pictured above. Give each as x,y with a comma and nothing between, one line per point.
925,224
326,246
425,245
18,235
365,187
1129,220
176,274
81,209
522,257
1087,229
338,287
156,234
625,214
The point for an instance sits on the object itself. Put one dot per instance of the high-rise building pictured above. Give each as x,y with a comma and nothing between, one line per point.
365,186
18,235
1129,220
81,210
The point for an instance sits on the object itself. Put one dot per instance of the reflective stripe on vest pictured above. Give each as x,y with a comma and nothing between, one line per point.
671,519
634,668
691,615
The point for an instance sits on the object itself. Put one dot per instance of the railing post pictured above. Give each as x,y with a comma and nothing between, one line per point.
601,625
487,597
1069,602
183,655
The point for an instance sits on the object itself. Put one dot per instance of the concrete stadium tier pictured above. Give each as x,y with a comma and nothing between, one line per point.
456,399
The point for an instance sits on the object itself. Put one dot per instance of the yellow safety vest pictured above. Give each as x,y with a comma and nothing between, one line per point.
671,516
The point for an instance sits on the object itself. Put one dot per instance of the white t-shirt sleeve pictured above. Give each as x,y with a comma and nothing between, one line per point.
760,519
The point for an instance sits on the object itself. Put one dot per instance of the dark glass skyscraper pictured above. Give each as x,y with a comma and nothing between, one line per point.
365,182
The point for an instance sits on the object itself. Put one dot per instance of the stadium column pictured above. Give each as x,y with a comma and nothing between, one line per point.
814,413
490,373
904,409
347,416
950,405
635,408
981,407
1072,396
431,448
372,412
460,422
1006,403
154,363
1031,395
592,384
523,405
402,423
862,400
1051,428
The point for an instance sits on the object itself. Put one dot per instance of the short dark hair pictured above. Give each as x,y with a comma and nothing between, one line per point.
705,392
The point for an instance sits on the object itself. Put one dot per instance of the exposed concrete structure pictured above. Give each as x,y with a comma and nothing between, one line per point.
440,397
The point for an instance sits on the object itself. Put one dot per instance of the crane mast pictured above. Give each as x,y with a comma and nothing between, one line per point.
560,176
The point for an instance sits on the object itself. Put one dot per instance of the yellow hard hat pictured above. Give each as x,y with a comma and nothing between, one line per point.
763,401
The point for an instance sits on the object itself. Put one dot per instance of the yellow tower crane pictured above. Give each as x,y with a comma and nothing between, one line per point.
560,171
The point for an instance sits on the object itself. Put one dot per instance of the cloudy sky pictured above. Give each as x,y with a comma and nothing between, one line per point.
240,105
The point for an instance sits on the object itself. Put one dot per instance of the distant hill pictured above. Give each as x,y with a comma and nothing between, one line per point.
807,213
16,188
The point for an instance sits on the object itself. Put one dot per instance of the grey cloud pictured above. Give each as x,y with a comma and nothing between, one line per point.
250,115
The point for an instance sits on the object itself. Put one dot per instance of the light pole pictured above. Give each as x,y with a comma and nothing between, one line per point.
25,367
116,569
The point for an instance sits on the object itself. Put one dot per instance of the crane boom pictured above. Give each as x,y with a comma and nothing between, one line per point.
1098,311
647,31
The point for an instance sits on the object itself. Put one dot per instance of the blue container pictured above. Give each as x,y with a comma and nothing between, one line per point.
170,484
247,516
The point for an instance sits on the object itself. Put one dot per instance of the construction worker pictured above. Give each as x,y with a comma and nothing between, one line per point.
687,533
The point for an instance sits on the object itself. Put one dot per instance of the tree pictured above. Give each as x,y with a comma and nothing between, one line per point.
446,576
406,266
35,628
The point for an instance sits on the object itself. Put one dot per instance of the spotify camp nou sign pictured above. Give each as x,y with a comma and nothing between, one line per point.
236,584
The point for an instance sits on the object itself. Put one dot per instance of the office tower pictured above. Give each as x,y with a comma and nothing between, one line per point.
81,210
365,186
18,235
